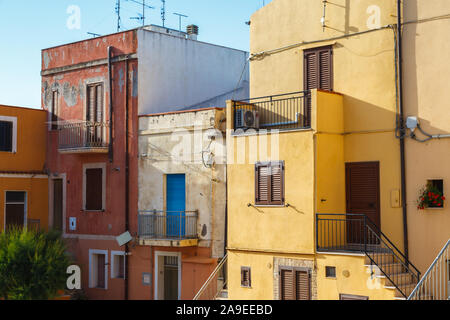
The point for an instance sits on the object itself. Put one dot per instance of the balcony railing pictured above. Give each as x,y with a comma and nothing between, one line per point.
357,233
83,136
285,111
167,225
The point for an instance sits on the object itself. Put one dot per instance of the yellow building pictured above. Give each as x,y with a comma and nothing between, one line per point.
314,174
23,182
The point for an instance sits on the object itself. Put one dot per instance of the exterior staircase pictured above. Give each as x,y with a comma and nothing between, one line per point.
215,287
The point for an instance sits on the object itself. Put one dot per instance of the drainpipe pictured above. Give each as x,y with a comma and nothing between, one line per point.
402,127
110,151
127,178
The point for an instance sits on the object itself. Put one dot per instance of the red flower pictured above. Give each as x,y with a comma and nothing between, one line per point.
443,198
439,204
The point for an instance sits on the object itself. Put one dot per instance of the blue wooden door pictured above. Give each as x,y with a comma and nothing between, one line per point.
176,205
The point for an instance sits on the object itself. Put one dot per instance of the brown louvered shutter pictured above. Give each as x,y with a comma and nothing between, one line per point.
287,289
302,285
101,271
262,184
318,74
55,110
277,184
246,277
121,271
94,192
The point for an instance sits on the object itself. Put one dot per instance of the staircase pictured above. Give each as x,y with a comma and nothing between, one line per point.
435,284
215,287
357,233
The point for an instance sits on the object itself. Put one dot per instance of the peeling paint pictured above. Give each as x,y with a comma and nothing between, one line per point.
70,94
121,80
46,59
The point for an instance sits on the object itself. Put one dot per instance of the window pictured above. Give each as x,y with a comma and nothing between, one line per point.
295,283
55,110
98,269
8,134
117,265
317,73
437,186
94,110
15,209
246,277
269,183
94,185
330,272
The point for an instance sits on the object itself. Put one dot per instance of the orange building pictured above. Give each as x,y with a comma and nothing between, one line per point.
23,178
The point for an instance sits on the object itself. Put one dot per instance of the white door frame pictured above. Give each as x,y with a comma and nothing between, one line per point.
167,254
62,177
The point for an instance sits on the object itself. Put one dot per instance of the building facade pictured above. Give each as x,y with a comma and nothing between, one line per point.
314,182
94,91
182,200
23,174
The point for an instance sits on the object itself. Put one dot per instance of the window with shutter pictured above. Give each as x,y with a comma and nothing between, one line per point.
94,189
6,136
55,110
318,74
246,277
269,183
295,284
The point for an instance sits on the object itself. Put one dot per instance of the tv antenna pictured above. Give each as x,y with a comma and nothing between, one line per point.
94,35
163,12
141,16
118,15
180,16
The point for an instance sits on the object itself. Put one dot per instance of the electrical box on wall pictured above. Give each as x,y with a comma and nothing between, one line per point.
73,224
395,198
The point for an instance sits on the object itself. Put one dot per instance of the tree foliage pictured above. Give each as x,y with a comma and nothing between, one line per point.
33,264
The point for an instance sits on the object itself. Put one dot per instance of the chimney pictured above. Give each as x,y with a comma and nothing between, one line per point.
192,31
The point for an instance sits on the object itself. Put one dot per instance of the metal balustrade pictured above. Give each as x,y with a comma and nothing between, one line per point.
83,135
167,224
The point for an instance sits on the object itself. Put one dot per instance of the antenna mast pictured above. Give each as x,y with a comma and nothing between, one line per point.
141,16
118,15
180,16
163,12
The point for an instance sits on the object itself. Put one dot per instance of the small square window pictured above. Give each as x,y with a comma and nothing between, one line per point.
6,136
330,272
246,276
437,187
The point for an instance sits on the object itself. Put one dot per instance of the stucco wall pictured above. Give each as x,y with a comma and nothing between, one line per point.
173,144
426,52
175,73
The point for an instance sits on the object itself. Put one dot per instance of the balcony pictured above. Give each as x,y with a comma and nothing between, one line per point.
83,137
284,112
168,228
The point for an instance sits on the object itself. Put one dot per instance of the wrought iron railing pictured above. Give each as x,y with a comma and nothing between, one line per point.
167,224
83,135
285,111
435,283
357,233
215,283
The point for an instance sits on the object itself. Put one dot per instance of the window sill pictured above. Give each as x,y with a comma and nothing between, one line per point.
433,208
269,205
93,211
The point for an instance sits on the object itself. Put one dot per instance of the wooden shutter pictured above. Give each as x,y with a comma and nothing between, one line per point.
55,110
302,285
246,277
262,184
121,271
6,135
287,285
317,74
269,183
101,271
94,189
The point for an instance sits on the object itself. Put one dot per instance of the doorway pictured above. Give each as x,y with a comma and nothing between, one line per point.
176,205
15,209
362,197
58,204
167,276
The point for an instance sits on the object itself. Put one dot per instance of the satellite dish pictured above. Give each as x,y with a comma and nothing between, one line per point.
123,239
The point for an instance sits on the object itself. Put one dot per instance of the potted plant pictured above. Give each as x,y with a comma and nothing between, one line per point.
430,197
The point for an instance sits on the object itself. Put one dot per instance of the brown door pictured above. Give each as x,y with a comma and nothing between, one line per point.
363,197
58,204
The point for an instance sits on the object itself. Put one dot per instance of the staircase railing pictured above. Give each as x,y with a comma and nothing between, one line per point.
357,233
216,282
435,284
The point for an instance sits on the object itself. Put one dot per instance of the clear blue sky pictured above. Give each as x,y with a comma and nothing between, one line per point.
26,27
